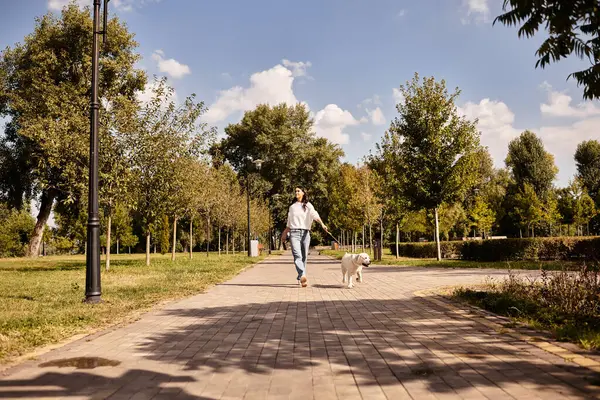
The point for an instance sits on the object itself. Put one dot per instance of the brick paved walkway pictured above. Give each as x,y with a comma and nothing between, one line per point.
260,336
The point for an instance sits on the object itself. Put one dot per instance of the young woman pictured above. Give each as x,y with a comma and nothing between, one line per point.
301,215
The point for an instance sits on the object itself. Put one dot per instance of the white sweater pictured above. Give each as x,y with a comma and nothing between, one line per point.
298,218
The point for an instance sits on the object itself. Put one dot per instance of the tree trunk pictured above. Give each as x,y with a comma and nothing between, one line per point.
174,238
117,246
381,234
108,229
363,239
219,240
207,235
191,237
129,249
148,249
227,242
397,240
47,200
356,239
437,236
371,241
154,248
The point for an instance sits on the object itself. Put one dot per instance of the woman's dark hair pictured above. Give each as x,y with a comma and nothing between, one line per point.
304,197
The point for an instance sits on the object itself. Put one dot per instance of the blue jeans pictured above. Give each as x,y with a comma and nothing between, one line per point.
300,241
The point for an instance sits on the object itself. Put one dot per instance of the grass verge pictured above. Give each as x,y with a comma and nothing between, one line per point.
41,299
388,259
565,304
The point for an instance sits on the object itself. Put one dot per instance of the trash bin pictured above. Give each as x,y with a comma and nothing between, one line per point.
254,248
334,245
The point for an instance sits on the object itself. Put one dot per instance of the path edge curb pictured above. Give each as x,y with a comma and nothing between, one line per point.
545,345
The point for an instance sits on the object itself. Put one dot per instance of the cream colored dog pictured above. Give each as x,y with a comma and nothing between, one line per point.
353,264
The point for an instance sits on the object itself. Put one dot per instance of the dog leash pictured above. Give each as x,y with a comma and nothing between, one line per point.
329,233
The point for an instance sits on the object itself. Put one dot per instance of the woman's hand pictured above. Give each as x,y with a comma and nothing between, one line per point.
324,227
284,234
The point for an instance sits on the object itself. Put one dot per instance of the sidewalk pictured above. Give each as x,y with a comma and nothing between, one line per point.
261,336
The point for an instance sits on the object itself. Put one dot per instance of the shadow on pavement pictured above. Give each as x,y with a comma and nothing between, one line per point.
144,384
378,341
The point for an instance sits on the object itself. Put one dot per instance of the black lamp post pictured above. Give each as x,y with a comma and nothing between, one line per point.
92,263
257,164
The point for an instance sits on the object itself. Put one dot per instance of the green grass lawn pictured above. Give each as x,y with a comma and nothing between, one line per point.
389,259
41,299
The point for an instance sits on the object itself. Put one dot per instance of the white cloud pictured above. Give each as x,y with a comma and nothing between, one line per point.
559,105
477,11
398,96
170,66
331,121
377,117
272,86
298,68
226,76
366,136
375,100
401,13
496,124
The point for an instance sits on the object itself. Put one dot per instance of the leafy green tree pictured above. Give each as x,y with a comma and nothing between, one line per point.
452,219
162,133
437,148
385,164
528,208
122,224
283,137
587,158
16,228
482,216
573,27
494,193
530,163
585,211
566,204
45,86
115,174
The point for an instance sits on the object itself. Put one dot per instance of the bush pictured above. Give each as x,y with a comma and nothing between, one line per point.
428,250
16,229
529,249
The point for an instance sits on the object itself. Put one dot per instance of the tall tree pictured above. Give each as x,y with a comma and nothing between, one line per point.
163,133
283,137
437,148
115,174
45,88
587,158
531,164
573,28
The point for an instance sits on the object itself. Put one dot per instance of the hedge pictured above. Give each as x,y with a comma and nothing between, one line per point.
528,249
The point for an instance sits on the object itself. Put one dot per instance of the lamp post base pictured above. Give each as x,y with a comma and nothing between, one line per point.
94,299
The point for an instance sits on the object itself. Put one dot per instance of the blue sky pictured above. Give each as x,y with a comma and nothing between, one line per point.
344,58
